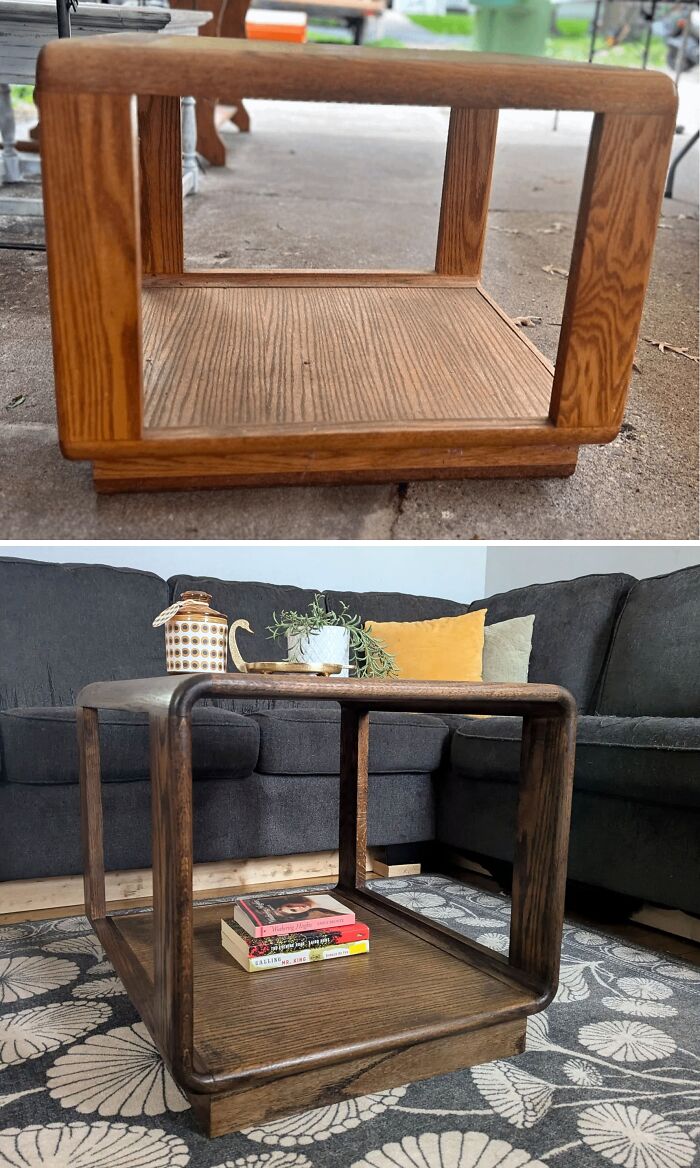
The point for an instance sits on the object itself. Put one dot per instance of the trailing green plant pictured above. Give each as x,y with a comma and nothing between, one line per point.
370,656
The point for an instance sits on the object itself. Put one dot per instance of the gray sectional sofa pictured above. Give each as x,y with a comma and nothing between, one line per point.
265,774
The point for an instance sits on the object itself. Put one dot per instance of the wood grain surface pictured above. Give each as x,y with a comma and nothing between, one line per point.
227,20
620,203
222,358
179,693
359,1076
160,165
309,278
188,472
92,827
352,809
471,144
215,67
541,846
314,1013
279,377
89,176
223,1031
171,823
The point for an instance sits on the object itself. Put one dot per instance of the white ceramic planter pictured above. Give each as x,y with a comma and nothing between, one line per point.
329,646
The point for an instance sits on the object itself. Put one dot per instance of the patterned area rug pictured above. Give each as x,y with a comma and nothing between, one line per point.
611,1074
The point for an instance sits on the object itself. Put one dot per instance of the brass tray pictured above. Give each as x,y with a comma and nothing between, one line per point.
292,667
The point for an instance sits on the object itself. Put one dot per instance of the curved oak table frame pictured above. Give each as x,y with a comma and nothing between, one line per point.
200,1008
167,378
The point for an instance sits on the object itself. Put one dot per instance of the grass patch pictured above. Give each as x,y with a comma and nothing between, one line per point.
22,92
320,37
571,43
567,26
327,38
575,48
453,24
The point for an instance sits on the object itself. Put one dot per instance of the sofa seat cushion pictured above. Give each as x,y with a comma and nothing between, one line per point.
656,760
654,662
307,742
574,620
40,745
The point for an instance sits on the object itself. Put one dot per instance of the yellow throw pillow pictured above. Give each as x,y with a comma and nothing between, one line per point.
448,649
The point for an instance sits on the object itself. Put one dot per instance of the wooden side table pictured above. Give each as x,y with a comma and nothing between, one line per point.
167,378
424,1001
26,26
227,20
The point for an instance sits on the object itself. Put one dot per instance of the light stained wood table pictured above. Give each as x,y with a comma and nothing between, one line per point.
172,378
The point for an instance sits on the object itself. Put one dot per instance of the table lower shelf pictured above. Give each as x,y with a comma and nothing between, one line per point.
298,1037
314,377
218,358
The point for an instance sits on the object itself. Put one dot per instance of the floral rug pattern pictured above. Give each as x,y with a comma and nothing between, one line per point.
611,1074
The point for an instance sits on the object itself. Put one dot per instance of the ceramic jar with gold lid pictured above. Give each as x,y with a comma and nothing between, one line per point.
196,635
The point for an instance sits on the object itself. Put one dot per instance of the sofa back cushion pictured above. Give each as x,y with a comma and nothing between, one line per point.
65,625
574,620
394,606
654,662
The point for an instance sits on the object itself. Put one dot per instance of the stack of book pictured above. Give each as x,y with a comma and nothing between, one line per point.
285,928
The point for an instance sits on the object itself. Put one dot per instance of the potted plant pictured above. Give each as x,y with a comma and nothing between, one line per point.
332,638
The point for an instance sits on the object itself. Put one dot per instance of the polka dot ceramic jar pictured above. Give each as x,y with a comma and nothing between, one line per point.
196,636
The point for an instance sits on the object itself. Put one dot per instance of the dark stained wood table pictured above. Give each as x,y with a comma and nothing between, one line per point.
424,1001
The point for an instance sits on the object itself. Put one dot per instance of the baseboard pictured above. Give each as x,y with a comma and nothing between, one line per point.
30,896
668,920
465,863
395,869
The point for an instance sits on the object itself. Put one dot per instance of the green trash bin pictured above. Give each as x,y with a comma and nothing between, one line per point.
512,26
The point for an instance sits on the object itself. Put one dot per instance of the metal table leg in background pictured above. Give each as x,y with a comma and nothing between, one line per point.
594,30
650,29
668,193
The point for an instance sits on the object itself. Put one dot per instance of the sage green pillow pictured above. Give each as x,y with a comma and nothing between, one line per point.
507,648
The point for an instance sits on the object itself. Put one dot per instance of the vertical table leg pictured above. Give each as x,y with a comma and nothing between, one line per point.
354,752
91,814
160,169
539,869
10,156
190,165
171,811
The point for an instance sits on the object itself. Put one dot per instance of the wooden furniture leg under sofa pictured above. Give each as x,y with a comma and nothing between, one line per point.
167,378
426,1000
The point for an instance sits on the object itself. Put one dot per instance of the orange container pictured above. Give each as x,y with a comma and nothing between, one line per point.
263,24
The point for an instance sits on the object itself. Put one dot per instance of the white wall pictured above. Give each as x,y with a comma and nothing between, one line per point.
513,567
456,571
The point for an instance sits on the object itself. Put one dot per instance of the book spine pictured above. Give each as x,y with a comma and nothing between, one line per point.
295,942
306,956
316,926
